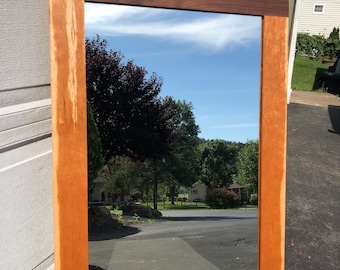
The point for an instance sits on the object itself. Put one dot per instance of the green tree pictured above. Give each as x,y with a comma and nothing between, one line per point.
247,165
332,44
94,149
125,175
218,160
182,164
118,171
159,174
131,118
135,122
334,34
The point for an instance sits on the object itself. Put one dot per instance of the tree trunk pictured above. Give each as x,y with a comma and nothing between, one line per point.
172,194
155,185
155,191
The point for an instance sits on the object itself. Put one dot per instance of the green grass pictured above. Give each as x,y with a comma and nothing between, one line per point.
163,206
306,74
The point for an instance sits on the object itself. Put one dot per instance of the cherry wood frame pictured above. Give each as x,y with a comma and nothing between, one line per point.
69,126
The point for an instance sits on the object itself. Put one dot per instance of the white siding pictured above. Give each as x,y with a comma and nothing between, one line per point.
319,23
26,212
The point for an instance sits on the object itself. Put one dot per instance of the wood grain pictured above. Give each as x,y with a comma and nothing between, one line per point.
69,139
272,152
245,7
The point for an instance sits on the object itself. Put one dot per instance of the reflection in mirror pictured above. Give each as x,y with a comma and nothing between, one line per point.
182,139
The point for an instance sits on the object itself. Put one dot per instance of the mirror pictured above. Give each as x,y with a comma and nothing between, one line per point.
67,31
203,58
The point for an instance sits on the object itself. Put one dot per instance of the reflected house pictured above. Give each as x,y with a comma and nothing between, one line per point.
241,191
198,192
183,193
121,197
101,194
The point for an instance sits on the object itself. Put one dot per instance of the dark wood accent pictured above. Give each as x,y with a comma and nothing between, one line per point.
244,7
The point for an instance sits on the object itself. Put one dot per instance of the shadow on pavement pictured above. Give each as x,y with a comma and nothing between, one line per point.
334,115
111,233
318,78
93,267
198,218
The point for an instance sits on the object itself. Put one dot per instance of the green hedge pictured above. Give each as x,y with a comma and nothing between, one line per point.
220,198
317,46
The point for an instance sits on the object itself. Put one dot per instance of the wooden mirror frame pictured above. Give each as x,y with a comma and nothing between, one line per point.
69,125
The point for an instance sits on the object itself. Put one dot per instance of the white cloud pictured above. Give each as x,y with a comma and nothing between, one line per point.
211,31
242,125
202,117
103,13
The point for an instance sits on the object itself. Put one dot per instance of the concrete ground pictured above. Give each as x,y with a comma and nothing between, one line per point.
317,99
313,182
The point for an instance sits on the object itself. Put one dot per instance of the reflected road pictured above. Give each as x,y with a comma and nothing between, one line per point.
192,239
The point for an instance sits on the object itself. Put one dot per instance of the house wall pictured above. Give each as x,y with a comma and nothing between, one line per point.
294,12
198,192
26,212
319,23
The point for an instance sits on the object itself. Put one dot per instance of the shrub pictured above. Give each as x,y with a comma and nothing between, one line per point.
221,198
317,46
311,46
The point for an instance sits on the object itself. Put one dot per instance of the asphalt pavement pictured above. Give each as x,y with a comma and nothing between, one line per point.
197,239
313,182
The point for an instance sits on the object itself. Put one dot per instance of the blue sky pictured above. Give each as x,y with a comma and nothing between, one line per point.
210,60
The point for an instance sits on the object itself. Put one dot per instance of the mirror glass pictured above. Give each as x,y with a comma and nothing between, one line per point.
210,62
